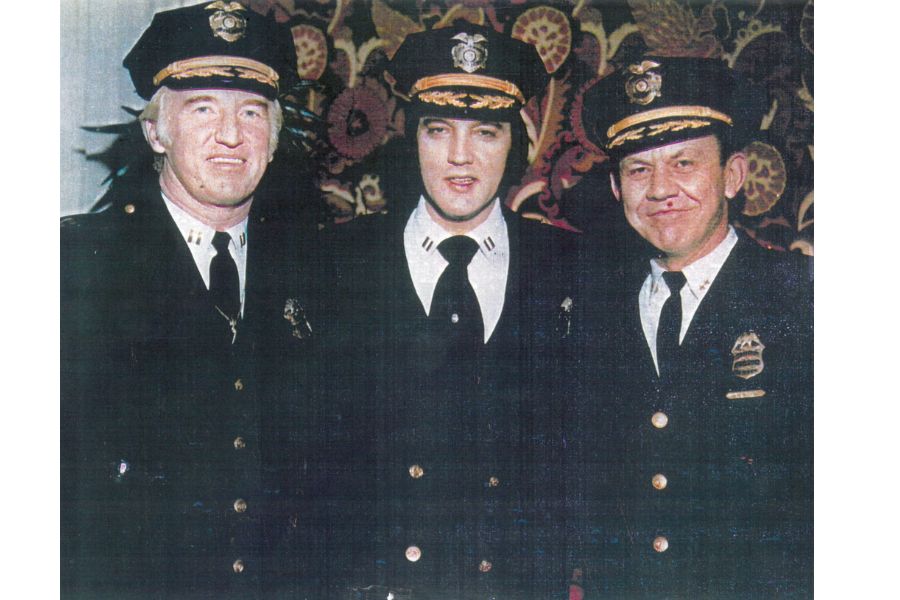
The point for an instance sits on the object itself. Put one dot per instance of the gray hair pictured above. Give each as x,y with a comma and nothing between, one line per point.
156,111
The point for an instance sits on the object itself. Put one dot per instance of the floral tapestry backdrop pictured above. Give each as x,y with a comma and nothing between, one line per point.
349,123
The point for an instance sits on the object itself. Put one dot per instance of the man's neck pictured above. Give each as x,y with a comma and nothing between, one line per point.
219,218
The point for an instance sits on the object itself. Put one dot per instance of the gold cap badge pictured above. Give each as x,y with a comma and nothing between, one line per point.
471,53
645,85
227,23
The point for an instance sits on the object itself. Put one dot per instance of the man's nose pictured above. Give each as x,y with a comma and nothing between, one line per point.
460,149
662,186
228,132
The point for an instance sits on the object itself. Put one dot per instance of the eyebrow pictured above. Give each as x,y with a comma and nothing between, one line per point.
199,98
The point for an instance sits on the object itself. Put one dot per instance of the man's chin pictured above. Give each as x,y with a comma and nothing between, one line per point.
459,216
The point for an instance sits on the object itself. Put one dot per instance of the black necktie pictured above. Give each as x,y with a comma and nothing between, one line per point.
669,325
224,286
455,304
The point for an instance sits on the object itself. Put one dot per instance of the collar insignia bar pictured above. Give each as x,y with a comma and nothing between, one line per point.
470,54
747,352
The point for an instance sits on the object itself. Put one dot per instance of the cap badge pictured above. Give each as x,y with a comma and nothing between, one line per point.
644,85
227,23
471,53
747,352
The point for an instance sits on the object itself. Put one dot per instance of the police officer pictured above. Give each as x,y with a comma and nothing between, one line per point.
183,310
704,429
452,305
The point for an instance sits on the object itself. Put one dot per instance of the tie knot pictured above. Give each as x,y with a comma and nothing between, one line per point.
458,249
675,280
220,241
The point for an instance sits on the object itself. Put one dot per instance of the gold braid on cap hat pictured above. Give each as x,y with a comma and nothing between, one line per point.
467,80
665,113
223,66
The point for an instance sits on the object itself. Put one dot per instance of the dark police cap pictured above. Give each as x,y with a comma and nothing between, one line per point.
467,71
661,100
220,45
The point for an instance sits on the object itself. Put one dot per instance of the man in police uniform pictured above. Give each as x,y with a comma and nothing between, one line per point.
705,435
455,308
183,309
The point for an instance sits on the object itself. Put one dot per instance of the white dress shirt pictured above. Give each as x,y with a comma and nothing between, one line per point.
198,237
700,275
487,272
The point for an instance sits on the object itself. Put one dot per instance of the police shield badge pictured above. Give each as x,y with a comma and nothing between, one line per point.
747,354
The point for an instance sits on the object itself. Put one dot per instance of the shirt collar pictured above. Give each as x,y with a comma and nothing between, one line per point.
197,233
700,273
425,235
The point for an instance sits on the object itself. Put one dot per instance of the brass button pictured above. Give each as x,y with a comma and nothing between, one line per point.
238,566
485,566
129,208
416,471
659,420
240,505
493,482
238,384
660,482
239,443
660,544
413,553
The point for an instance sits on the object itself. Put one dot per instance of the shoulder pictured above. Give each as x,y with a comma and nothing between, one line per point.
788,271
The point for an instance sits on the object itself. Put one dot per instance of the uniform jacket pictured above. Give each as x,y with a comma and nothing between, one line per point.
735,505
460,453
182,453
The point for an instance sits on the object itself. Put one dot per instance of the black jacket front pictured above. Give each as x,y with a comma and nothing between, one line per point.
182,452
457,454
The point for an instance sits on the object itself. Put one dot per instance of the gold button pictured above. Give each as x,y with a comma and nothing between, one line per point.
659,420
240,505
238,384
660,482
413,553
660,544
416,471
129,208
239,443
493,482
238,566
485,566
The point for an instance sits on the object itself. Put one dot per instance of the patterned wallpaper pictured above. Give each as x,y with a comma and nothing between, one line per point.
344,151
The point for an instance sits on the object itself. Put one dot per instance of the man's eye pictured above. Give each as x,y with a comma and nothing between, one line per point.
637,171
434,130
684,163
490,133
202,109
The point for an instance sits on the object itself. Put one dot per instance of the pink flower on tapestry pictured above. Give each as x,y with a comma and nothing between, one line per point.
312,51
358,120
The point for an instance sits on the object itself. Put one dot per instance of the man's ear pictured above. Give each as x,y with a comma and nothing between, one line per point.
151,135
615,188
735,174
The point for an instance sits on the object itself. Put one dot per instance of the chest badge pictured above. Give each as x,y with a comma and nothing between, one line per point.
747,354
470,54
296,317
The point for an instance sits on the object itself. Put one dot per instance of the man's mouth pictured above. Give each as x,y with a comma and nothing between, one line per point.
461,183
226,160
